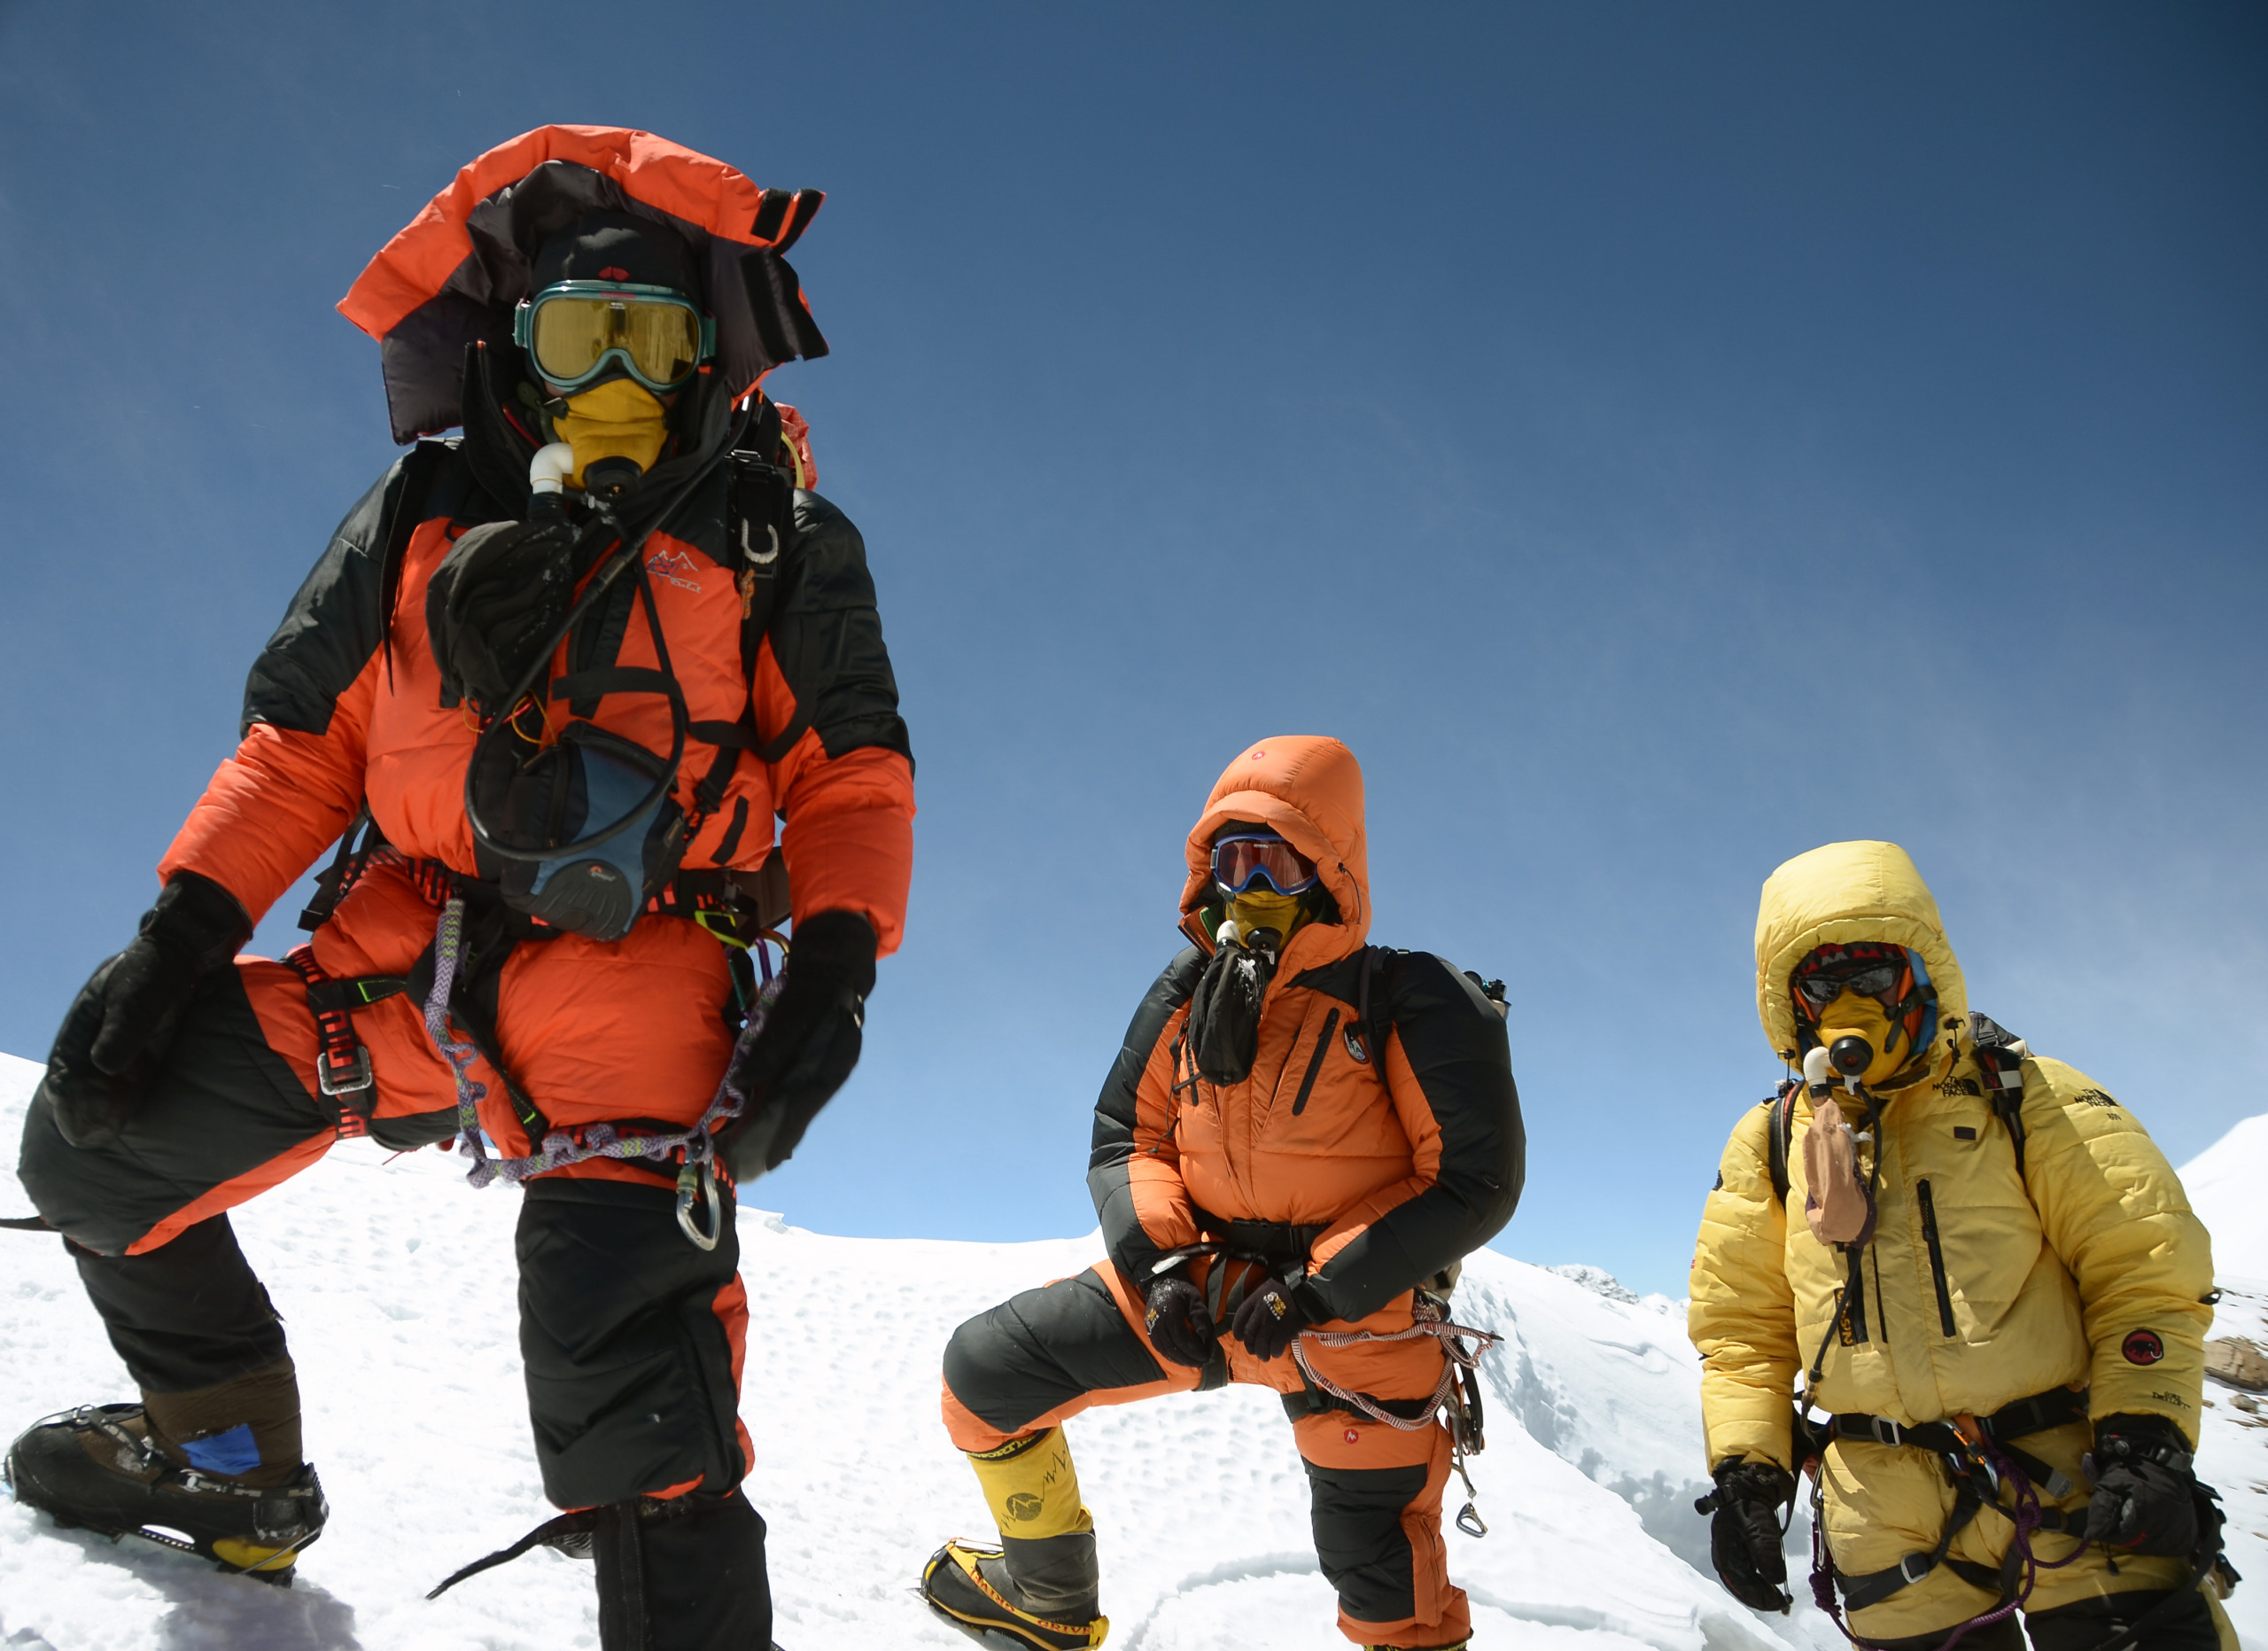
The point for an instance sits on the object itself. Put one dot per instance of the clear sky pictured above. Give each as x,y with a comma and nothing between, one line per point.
1657,439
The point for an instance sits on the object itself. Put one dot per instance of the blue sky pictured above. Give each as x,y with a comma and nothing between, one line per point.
1658,440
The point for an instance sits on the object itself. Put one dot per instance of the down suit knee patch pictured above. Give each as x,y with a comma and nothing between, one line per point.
632,1370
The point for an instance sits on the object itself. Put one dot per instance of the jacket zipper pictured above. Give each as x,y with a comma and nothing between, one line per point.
1315,1062
1936,1256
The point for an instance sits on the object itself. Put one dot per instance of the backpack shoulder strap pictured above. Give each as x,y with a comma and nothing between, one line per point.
1779,1130
1999,1068
420,467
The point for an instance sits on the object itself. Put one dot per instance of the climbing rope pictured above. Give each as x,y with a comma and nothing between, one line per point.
1429,1318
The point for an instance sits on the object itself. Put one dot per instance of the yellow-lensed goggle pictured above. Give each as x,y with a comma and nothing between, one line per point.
573,332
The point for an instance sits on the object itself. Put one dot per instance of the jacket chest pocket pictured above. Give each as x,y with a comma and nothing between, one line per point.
1980,1236
1314,1067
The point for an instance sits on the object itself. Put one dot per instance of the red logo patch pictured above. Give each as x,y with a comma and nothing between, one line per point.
610,272
2143,1347
1353,1437
1257,753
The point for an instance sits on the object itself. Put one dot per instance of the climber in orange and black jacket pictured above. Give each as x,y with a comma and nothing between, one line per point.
620,561
1299,1132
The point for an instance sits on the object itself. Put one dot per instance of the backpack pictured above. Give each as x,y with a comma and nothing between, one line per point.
1999,1065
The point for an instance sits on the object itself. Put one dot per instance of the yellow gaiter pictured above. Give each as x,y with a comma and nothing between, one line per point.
1032,1488
1853,1016
619,419
1266,909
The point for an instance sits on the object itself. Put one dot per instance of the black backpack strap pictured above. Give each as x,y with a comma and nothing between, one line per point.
346,866
404,511
1779,1132
2000,1069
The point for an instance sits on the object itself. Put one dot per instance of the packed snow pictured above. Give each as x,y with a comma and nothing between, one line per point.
396,1283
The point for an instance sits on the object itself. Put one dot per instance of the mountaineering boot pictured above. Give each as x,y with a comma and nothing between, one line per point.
101,1467
970,1588
1039,1587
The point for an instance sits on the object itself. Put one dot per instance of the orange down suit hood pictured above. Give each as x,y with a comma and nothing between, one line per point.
795,718
1379,1110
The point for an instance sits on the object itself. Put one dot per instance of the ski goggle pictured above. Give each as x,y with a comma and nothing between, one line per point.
574,330
1240,861
1871,977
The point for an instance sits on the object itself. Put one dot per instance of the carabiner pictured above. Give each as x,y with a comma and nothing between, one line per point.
692,1181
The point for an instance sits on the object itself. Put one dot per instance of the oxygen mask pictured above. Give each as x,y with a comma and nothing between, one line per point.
1261,908
617,431
1860,1039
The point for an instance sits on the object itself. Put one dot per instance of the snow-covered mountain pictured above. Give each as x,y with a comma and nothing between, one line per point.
396,1283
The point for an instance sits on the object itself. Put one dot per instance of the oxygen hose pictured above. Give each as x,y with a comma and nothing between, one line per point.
623,556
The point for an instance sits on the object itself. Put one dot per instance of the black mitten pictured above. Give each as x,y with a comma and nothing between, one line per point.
1224,1012
1745,1535
808,1045
497,598
2145,1490
1178,1324
115,1037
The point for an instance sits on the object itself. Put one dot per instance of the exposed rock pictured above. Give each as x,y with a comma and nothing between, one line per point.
2238,1362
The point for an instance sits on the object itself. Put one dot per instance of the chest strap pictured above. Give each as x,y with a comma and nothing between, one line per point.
342,1062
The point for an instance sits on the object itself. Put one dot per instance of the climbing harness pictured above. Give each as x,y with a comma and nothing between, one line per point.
697,1178
1981,1463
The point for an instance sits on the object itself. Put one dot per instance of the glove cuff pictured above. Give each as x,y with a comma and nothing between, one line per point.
199,919
1309,1299
2148,1438
1754,1481
838,946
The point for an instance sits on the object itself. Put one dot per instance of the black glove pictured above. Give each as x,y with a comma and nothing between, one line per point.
2145,1492
1178,1324
1745,1535
115,1037
1224,1013
1272,1316
809,1044
494,603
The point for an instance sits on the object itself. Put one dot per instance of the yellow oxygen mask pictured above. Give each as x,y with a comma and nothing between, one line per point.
1263,908
620,419
1853,1014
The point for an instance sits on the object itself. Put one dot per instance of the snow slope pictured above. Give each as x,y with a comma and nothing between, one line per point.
396,1282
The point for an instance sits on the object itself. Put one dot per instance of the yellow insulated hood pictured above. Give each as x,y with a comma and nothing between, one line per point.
1844,894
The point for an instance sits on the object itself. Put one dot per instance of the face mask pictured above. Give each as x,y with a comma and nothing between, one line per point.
619,419
1262,909
1853,1016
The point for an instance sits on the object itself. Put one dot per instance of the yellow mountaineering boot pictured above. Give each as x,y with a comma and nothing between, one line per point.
1038,1589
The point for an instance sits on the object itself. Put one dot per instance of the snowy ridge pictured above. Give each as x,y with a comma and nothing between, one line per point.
396,1282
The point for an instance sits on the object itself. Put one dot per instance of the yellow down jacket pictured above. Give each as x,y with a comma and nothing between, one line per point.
1981,1286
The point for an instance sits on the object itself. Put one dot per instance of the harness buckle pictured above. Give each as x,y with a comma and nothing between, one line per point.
1914,1567
337,1079
1885,1431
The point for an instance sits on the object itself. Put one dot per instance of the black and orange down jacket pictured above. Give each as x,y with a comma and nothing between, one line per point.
1407,1163
345,706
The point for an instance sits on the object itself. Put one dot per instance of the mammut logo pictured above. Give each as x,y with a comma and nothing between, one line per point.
2143,1347
1023,1506
1959,1087
2093,1097
676,567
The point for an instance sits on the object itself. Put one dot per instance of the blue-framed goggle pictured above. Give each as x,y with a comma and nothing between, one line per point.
577,330
1248,858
